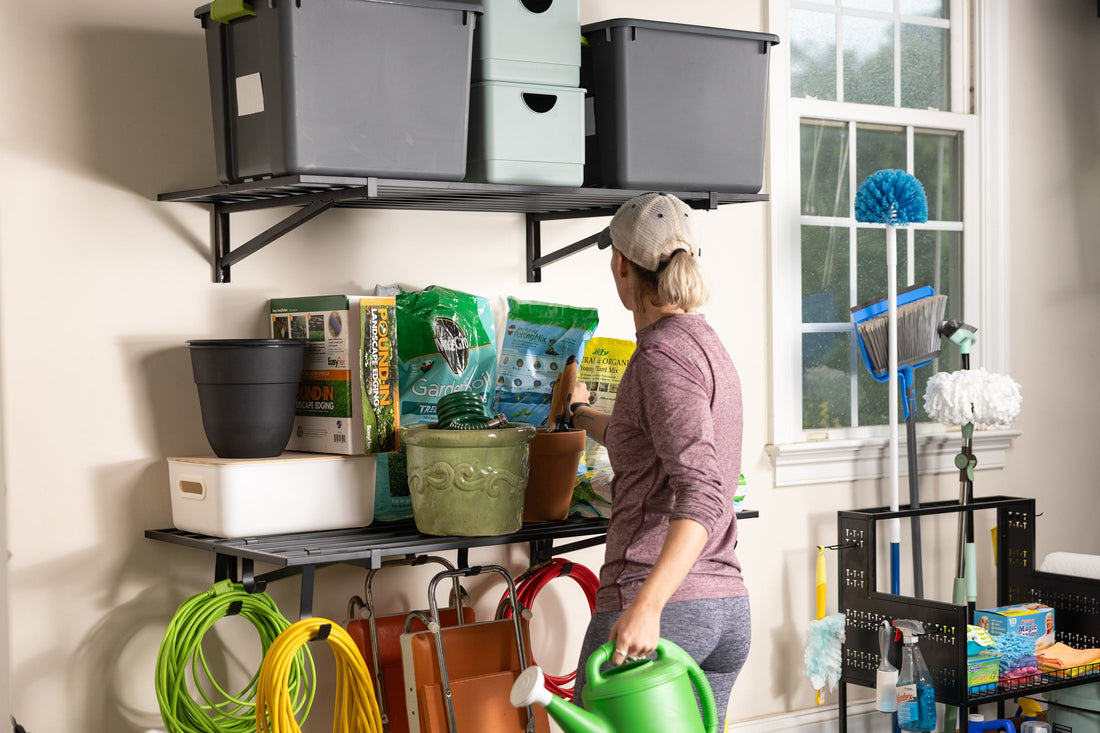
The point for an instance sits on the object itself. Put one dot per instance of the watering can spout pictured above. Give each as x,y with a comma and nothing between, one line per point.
530,689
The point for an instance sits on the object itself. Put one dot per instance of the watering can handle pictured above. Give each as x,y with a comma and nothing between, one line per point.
665,648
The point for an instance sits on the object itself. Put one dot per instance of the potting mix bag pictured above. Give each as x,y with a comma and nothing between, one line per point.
538,339
601,369
447,344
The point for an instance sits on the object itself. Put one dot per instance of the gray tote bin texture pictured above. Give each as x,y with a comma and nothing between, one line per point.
342,88
675,106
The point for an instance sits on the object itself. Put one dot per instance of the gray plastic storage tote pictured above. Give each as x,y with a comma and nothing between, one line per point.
340,87
675,106
529,42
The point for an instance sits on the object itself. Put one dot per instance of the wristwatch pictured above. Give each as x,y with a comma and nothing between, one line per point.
574,406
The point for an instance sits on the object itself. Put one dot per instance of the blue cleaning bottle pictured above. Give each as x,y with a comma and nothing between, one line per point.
916,696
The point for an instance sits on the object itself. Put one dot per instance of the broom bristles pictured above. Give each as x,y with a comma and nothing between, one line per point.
918,333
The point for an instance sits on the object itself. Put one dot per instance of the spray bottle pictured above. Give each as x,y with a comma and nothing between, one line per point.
915,695
886,677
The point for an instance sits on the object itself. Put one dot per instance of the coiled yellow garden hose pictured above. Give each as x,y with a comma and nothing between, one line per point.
182,648
356,705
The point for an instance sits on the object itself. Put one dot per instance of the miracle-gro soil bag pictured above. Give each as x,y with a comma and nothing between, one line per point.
538,339
447,344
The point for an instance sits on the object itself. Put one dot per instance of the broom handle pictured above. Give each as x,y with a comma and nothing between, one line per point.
892,370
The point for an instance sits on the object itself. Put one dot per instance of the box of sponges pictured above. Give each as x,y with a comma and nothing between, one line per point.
1030,620
348,397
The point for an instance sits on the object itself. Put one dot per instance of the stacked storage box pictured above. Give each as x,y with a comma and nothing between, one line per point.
340,87
675,106
526,110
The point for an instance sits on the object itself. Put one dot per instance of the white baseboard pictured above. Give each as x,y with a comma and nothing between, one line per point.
862,718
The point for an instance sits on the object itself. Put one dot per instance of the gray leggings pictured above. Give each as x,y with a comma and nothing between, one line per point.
714,632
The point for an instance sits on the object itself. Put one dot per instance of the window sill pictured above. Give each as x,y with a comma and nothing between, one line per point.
836,461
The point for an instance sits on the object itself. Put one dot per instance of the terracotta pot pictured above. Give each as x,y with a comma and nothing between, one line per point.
554,461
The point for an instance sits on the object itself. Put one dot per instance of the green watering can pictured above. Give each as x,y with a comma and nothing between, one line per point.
645,696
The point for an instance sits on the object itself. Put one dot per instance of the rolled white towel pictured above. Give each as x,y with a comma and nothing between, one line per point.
1072,563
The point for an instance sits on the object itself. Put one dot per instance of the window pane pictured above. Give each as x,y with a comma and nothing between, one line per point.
883,6
924,67
825,268
824,161
868,61
873,407
927,8
877,148
813,54
938,262
826,385
937,165
871,263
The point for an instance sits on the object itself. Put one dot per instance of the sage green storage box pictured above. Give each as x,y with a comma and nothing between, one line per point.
526,134
529,41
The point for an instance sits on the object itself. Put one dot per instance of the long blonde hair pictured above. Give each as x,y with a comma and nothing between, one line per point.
678,282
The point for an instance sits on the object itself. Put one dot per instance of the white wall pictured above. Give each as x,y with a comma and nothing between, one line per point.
105,105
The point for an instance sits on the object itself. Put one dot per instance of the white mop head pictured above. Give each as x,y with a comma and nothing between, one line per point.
972,396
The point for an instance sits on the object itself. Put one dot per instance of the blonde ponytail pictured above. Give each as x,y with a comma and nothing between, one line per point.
679,282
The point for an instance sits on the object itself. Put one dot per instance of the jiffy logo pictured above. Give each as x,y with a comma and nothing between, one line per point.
452,344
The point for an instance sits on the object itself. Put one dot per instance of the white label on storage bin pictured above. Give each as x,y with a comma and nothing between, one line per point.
250,95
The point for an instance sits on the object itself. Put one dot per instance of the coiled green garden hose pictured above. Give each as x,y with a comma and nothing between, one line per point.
465,410
182,648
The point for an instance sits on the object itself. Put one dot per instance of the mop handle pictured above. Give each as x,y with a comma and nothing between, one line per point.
892,348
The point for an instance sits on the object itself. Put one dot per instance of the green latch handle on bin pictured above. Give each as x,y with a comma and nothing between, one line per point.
226,11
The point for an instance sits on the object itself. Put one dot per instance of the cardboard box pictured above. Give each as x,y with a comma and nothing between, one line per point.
348,397
983,671
1032,620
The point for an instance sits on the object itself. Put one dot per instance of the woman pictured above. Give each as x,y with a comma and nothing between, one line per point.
674,443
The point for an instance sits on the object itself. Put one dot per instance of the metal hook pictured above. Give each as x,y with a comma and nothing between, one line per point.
844,546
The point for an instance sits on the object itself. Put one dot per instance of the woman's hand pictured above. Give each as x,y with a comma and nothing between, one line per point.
636,632
580,393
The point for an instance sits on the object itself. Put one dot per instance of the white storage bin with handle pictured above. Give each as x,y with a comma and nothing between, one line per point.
295,492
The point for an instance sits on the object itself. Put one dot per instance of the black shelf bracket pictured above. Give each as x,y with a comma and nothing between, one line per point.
316,194
225,256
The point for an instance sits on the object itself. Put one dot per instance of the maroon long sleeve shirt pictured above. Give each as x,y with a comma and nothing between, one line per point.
674,442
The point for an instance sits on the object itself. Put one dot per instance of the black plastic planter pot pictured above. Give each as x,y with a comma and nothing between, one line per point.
247,389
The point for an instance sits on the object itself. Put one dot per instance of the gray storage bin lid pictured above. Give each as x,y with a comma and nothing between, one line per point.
470,5
657,25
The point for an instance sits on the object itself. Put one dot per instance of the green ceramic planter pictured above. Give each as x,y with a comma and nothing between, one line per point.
468,482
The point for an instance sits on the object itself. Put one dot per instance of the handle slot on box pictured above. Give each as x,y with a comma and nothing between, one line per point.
537,6
193,489
539,103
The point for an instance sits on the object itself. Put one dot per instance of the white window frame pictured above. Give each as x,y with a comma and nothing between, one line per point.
814,457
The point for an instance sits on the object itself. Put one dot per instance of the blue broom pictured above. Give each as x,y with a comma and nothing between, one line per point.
896,198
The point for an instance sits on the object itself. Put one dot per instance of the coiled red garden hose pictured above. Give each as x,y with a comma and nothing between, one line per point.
528,586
